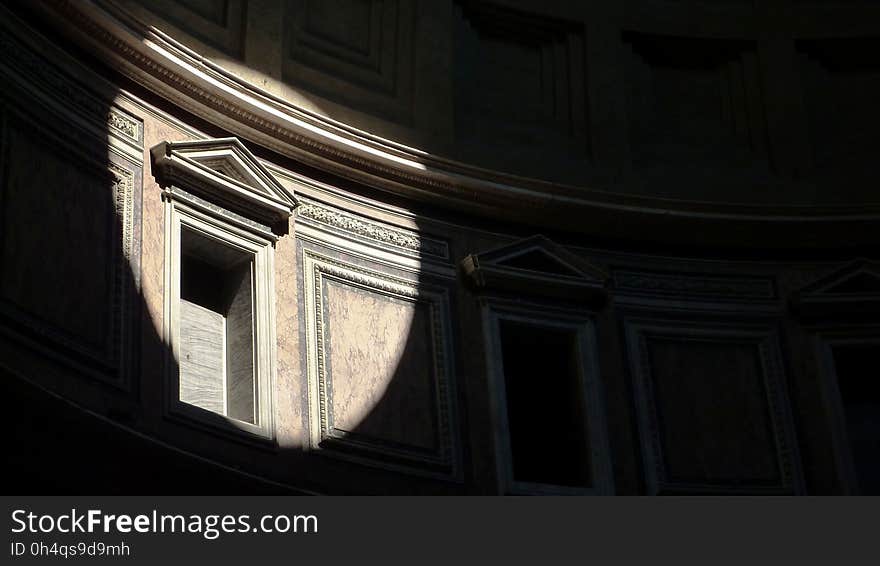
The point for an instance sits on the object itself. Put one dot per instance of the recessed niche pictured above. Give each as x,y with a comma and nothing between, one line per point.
545,405
217,370
859,388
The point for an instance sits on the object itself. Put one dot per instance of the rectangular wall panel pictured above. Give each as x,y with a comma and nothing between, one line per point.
68,246
380,365
379,355
356,52
63,275
713,412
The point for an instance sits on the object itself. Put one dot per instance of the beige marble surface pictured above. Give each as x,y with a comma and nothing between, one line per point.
380,366
290,383
153,237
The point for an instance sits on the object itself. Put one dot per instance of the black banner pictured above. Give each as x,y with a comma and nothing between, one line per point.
407,530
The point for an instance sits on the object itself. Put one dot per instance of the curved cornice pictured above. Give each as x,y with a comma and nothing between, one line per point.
154,60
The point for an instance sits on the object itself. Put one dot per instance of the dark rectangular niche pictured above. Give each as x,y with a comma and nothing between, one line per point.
855,365
714,419
545,405
217,327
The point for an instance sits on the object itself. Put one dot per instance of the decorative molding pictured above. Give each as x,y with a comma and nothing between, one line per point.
220,25
825,339
179,216
524,84
764,341
41,72
537,267
374,71
590,386
852,291
199,86
688,286
109,362
444,462
200,205
225,172
124,125
397,239
123,190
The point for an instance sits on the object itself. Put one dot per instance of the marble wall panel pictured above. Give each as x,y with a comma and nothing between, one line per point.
714,420
379,350
240,348
713,408
380,366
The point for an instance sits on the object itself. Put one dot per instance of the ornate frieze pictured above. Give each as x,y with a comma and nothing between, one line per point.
374,232
678,285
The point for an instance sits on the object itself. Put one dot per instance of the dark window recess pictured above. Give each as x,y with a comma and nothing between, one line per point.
545,405
217,327
859,385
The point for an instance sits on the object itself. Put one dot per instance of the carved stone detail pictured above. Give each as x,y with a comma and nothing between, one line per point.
643,282
305,136
123,125
538,267
225,172
370,64
444,461
123,199
43,73
108,360
852,291
372,231
764,341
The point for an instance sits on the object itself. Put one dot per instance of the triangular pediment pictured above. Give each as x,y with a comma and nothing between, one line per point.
224,171
539,261
852,289
861,277
537,266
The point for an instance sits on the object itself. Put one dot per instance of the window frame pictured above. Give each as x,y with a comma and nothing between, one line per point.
825,338
582,324
180,216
